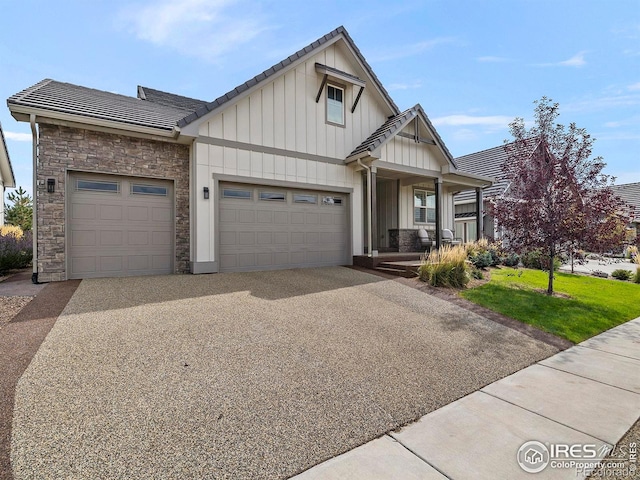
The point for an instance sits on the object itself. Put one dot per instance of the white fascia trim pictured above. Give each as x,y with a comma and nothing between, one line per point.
19,110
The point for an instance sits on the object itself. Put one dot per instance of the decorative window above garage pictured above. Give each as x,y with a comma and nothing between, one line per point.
335,105
336,83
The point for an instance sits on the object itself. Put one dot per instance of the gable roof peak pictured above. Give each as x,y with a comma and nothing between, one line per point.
269,72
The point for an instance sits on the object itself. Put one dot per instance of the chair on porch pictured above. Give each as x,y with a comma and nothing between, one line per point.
449,239
425,241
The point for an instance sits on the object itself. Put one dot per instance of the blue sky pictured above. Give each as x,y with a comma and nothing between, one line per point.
473,65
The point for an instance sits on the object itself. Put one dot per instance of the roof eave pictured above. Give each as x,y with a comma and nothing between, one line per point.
22,114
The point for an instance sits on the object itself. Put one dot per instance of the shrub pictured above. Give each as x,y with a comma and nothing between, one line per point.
446,267
621,274
11,230
537,260
496,255
15,252
636,276
481,260
511,260
477,274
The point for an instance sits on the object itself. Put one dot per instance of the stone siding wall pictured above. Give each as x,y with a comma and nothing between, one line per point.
406,239
63,148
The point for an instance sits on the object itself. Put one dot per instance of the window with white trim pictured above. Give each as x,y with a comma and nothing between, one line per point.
335,104
424,206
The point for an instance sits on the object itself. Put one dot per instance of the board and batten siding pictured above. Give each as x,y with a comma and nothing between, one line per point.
406,152
284,115
406,207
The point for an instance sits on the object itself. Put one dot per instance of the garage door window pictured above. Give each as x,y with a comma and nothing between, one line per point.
236,193
299,198
148,190
273,196
96,186
332,200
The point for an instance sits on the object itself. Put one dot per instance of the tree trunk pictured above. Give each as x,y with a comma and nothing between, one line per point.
572,262
550,286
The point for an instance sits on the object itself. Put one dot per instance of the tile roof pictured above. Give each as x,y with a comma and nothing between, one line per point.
465,215
203,110
88,102
395,124
387,130
488,163
169,99
630,194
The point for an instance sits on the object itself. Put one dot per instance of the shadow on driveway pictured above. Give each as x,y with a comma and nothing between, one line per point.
115,293
258,375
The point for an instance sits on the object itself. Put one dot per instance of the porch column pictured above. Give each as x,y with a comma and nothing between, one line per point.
374,213
479,214
438,185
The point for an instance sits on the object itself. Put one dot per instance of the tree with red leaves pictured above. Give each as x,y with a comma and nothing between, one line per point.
558,197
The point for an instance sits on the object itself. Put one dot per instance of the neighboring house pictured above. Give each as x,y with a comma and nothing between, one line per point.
487,163
630,194
7,180
307,164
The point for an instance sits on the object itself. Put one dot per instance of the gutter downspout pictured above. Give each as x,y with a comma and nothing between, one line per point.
34,222
369,207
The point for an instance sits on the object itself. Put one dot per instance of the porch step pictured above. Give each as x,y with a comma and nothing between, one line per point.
407,271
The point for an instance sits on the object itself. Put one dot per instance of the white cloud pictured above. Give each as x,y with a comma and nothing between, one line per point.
634,87
411,50
201,28
490,59
493,121
605,102
576,61
404,86
17,137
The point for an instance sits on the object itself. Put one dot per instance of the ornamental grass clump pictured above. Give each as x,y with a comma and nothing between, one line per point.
446,267
636,276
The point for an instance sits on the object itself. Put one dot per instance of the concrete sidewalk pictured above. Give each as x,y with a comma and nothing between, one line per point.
588,395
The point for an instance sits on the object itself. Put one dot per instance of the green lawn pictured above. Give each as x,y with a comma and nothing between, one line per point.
595,305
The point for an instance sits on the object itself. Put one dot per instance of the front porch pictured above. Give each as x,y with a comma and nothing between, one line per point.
394,263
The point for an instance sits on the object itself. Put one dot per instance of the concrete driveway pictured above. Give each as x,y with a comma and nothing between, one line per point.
253,375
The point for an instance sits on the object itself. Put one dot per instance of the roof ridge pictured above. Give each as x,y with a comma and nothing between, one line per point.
626,184
221,100
141,89
438,138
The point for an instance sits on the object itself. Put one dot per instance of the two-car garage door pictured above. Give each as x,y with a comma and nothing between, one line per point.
119,226
263,227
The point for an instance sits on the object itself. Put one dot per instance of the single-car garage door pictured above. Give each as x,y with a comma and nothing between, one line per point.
264,228
118,226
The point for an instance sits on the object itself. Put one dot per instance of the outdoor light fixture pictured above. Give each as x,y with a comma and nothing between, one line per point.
206,193
51,185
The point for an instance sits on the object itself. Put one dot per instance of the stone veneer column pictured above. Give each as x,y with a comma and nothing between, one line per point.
64,148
